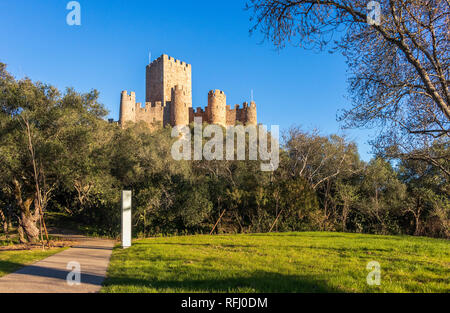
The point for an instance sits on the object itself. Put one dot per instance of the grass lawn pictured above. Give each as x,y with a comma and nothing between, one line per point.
10,261
282,262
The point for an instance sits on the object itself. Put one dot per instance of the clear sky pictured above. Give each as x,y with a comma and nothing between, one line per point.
110,49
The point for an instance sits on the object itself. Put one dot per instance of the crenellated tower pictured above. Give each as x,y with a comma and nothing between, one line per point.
162,75
217,102
179,110
127,108
251,114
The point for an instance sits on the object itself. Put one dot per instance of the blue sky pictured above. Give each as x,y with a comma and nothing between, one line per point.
110,49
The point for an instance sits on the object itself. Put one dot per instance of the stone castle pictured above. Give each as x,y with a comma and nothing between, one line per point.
168,100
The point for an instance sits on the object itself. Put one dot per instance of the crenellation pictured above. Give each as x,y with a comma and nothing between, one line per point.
168,99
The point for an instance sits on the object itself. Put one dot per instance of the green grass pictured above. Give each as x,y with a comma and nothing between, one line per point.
286,262
10,261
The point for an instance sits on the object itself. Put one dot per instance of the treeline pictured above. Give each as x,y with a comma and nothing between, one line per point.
59,155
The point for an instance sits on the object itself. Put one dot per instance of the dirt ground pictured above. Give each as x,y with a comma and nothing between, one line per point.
54,243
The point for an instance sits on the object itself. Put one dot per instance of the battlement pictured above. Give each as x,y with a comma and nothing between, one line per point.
149,105
216,92
168,99
176,61
165,57
198,110
245,106
128,97
180,88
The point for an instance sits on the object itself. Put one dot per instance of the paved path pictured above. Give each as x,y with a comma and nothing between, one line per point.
50,275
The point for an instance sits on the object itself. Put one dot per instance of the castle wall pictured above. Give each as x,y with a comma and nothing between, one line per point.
199,112
246,115
169,100
231,115
152,114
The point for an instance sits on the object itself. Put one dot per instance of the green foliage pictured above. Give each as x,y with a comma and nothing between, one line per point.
83,162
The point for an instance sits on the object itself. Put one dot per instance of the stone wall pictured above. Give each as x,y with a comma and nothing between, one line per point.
165,73
169,99
152,114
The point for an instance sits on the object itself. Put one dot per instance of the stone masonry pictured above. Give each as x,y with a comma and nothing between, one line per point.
169,100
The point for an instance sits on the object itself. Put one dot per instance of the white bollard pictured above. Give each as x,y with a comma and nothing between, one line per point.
126,218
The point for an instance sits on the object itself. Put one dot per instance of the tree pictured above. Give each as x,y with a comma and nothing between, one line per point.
346,195
399,67
322,161
428,188
383,196
43,134
441,211
319,158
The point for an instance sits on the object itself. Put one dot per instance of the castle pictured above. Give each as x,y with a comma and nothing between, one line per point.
168,100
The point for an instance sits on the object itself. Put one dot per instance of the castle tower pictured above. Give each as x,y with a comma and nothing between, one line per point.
127,108
165,73
217,102
251,114
179,110
169,99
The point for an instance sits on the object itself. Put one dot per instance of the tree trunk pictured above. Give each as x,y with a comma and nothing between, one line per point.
29,227
345,210
417,218
28,230
21,232
5,223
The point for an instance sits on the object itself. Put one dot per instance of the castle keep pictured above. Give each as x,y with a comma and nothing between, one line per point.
168,100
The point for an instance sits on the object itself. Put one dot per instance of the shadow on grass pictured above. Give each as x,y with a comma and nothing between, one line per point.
45,272
194,244
92,247
258,282
7,267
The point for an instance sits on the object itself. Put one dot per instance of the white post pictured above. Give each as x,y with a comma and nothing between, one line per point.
126,218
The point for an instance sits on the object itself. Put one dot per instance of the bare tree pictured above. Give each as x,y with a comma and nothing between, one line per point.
321,161
318,158
399,67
